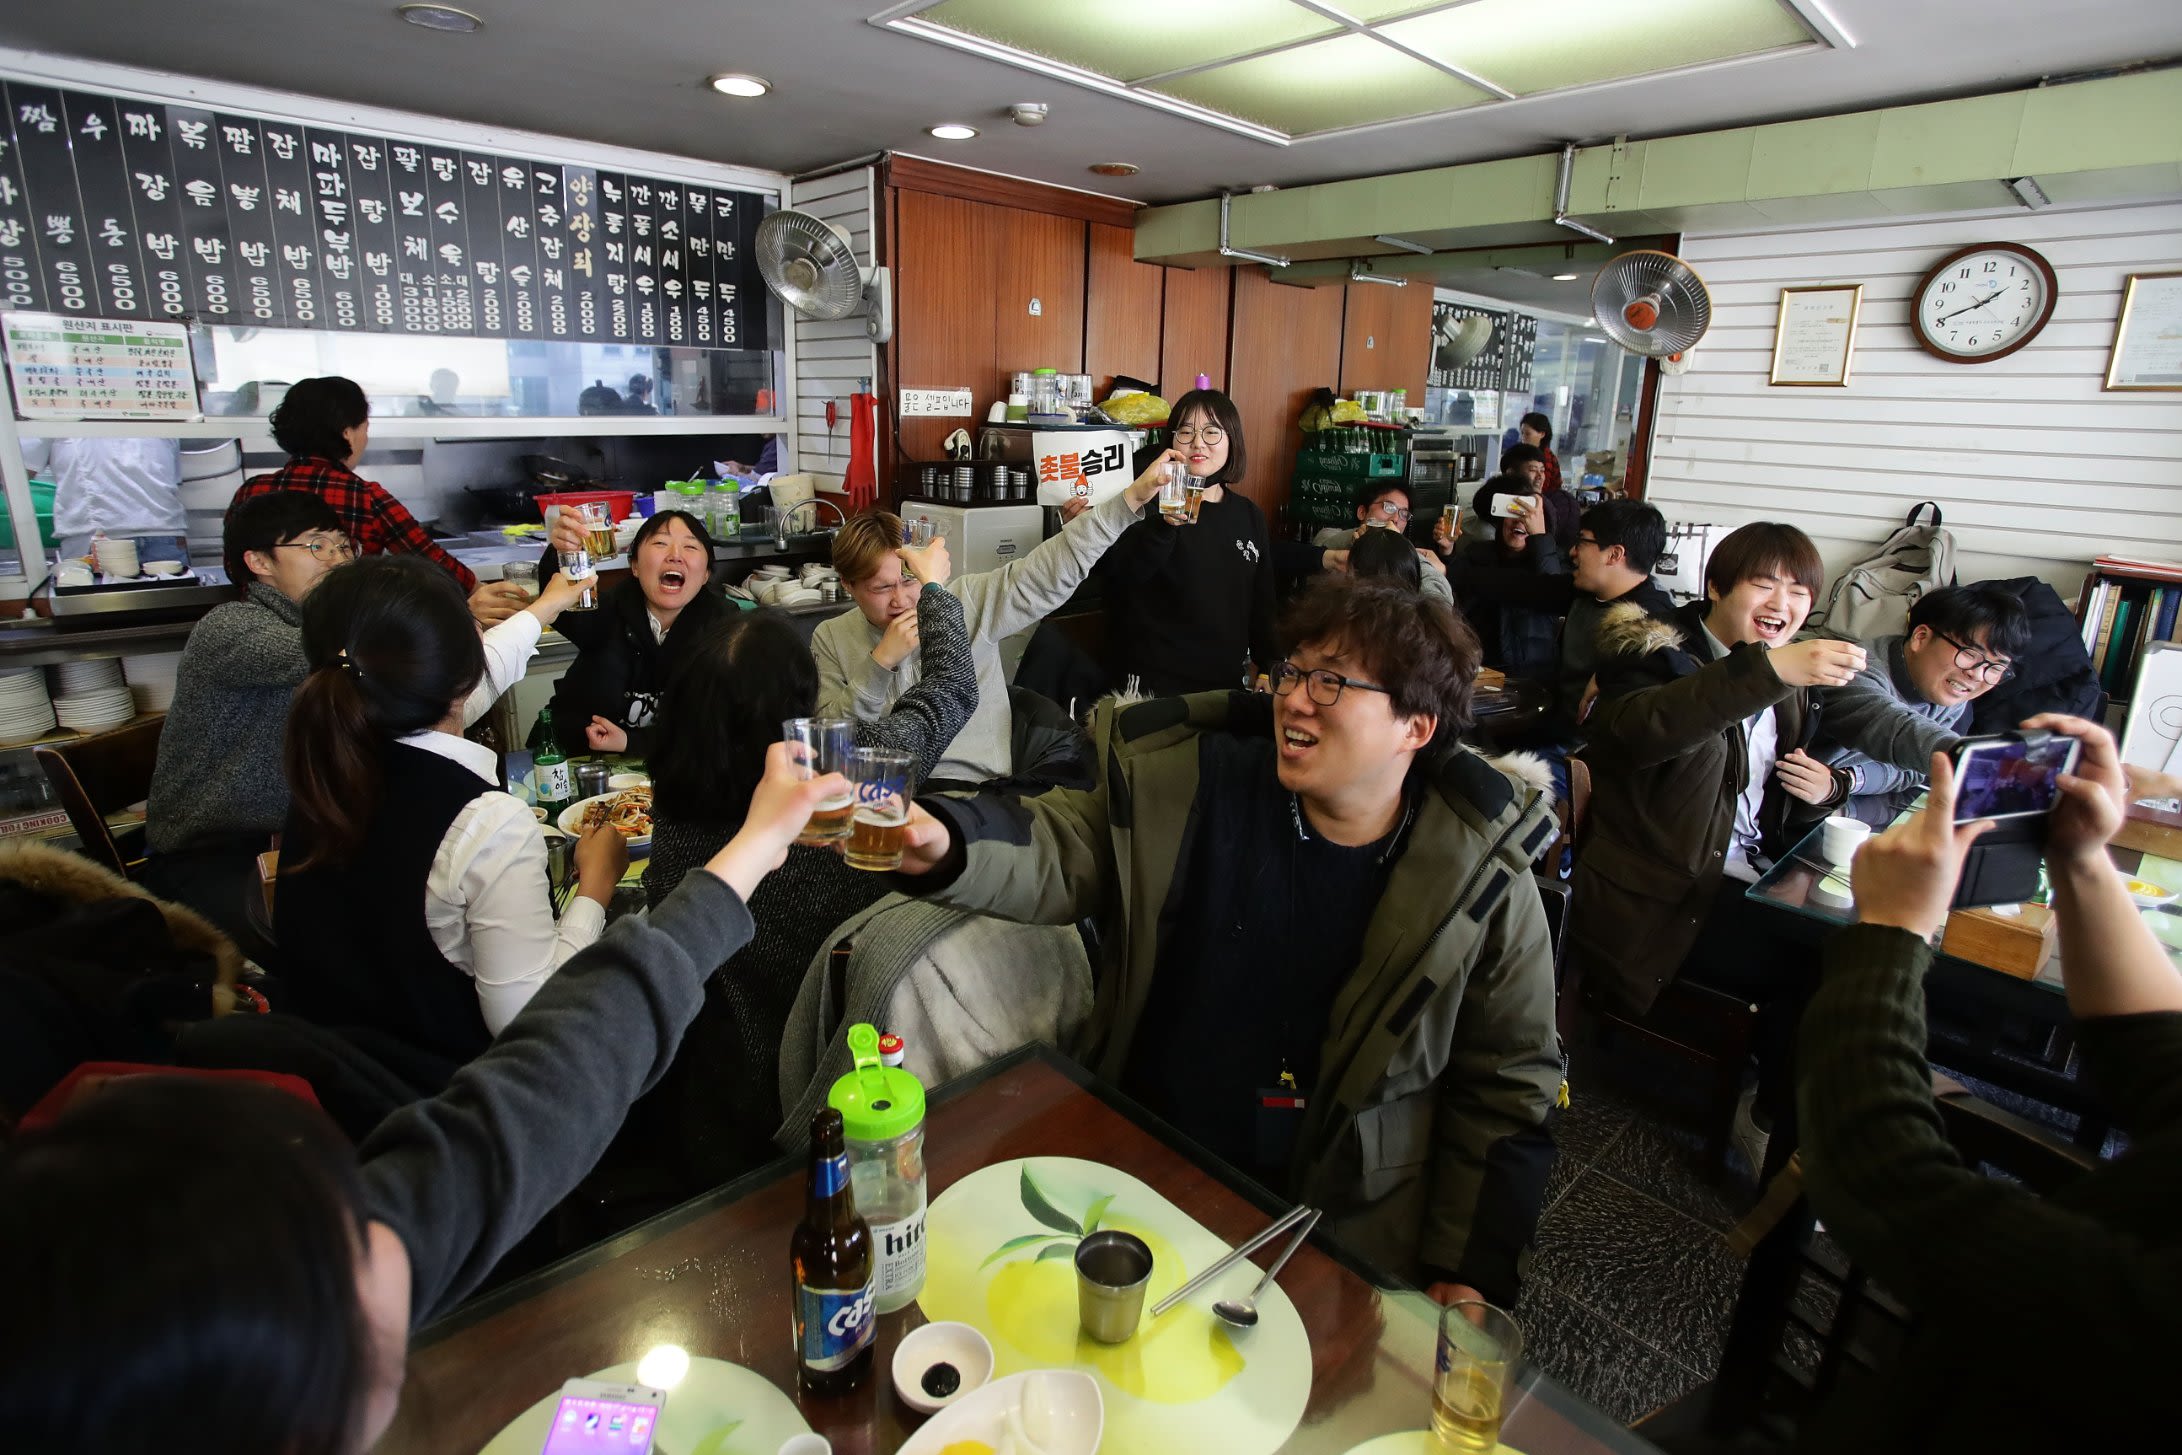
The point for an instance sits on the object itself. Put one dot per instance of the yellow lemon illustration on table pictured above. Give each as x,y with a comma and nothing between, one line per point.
1179,1359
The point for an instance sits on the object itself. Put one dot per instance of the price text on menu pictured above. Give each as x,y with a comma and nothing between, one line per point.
115,208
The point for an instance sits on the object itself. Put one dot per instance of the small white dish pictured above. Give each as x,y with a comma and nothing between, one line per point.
942,1343
619,781
2148,894
162,568
1073,1420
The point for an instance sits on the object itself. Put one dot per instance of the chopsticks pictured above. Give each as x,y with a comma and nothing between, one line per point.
1280,1225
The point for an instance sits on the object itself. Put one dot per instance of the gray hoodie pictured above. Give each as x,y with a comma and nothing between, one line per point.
995,604
1878,728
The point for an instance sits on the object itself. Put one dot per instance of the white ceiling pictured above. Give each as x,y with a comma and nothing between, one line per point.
630,72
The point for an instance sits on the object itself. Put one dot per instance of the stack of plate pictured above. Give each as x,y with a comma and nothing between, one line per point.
26,713
151,680
93,696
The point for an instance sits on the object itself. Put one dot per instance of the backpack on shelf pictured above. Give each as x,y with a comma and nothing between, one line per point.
1872,598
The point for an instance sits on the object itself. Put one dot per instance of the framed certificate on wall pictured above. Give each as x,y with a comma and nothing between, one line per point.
2147,351
1815,336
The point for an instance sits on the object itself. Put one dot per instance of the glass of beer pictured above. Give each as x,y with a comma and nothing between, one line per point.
884,783
522,575
1478,1347
919,532
821,745
1173,501
598,523
1193,497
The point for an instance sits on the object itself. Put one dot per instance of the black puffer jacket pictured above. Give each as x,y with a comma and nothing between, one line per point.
620,667
2055,675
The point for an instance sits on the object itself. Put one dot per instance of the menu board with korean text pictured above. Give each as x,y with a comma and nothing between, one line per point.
119,209
90,368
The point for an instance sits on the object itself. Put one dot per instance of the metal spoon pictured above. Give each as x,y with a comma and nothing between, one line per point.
1243,1313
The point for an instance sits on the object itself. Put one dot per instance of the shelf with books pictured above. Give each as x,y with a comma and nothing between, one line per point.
2126,605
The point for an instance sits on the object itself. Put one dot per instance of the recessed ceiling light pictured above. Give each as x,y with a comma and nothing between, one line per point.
952,131
735,83
1565,277
441,17
1115,169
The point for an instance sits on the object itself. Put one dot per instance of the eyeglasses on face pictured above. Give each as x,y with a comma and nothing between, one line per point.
1969,659
1210,434
325,548
1387,507
1325,686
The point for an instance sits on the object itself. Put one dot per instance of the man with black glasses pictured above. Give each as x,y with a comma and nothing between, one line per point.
1880,731
1322,952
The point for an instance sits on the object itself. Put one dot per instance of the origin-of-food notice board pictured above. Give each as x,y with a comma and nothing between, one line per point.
82,368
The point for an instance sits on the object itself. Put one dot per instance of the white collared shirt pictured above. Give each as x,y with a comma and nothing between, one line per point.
485,899
1761,745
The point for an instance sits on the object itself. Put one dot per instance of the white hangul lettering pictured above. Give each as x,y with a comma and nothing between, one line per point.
407,158
239,139
380,263
518,226
142,123
488,272
283,144
726,248
616,253
7,190
511,177
164,245
480,173
201,192
211,249
246,198
288,199
192,133
372,209
367,156
609,190
152,184
700,204
556,279
549,216
670,198
416,247
325,154
724,205
333,212
39,116
519,275
448,213
645,285
672,288
330,183
112,233
335,240
256,254
95,127
60,227
548,182
618,282
642,257
641,224
551,244
700,247
670,260
701,289
339,265
670,230
450,255
640,194
11,232
613,223
443,168
412,203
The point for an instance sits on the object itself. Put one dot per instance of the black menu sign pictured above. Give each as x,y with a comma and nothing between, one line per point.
115,208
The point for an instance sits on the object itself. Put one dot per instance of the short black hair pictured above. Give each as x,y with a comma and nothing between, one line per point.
1544,426
1962,612
1514,457
1386,555
310,420
723,707
1371,492
1420,650
1230,421
657,523
265,521
1639,529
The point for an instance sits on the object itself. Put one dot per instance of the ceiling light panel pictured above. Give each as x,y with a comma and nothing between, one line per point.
1529,46
1351,80
1131,39
1372,11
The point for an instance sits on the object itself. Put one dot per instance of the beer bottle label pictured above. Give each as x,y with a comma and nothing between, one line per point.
833,1326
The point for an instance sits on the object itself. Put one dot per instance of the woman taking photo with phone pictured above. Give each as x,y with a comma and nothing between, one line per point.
134,1319
411,907
1190,601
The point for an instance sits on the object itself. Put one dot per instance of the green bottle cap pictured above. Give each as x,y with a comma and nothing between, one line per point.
877,1102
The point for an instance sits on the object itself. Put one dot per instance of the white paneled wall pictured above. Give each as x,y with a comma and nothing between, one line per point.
832,357
2037,469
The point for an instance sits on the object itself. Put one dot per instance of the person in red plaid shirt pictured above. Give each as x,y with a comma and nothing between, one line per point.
325,424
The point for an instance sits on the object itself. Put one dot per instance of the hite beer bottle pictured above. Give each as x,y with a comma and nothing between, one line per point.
831,1258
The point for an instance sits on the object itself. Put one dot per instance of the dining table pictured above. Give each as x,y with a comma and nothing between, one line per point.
712,1278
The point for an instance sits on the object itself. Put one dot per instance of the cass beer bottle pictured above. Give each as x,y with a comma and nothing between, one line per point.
831,1260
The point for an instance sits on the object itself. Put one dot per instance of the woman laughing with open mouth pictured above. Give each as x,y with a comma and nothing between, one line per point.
627,648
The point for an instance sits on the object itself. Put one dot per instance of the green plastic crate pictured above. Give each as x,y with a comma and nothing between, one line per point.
41,500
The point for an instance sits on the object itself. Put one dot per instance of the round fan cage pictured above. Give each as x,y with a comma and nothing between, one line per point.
1651,303
809,263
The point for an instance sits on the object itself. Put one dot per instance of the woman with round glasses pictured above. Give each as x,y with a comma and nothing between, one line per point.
1189,602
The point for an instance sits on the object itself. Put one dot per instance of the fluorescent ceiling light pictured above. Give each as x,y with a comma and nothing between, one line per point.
735,83
1566,277
952,131
2029,193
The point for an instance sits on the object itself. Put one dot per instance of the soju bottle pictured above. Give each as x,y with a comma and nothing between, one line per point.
552,777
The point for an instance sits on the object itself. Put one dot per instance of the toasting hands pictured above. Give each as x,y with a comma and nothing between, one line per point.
1146,488
779,809
1819,662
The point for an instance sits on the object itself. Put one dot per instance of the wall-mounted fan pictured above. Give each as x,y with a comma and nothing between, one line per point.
1651,303
810,266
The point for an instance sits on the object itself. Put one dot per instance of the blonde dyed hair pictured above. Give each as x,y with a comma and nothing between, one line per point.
862,545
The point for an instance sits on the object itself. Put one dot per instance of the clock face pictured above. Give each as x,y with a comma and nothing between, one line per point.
1983,302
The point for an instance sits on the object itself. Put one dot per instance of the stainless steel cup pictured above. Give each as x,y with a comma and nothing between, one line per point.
1112,1270
591,779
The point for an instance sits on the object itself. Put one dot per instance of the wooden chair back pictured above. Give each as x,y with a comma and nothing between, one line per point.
100,775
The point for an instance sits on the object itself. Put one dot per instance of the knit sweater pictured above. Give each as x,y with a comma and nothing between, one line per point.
1879,730
2045,1323
218,773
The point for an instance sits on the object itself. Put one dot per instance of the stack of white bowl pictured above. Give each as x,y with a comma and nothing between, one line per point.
151,679
93,697
26,713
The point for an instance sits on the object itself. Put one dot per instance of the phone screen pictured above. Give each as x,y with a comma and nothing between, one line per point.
2011,779
587,1425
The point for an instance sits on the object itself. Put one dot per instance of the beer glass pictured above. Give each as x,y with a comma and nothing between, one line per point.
523,575
884,782
1173,502
598,523
1193,497
1478,1347
919,532
821,745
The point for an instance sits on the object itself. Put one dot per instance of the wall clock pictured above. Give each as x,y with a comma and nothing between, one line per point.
1983,302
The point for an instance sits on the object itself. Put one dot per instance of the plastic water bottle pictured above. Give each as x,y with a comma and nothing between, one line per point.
882,1112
